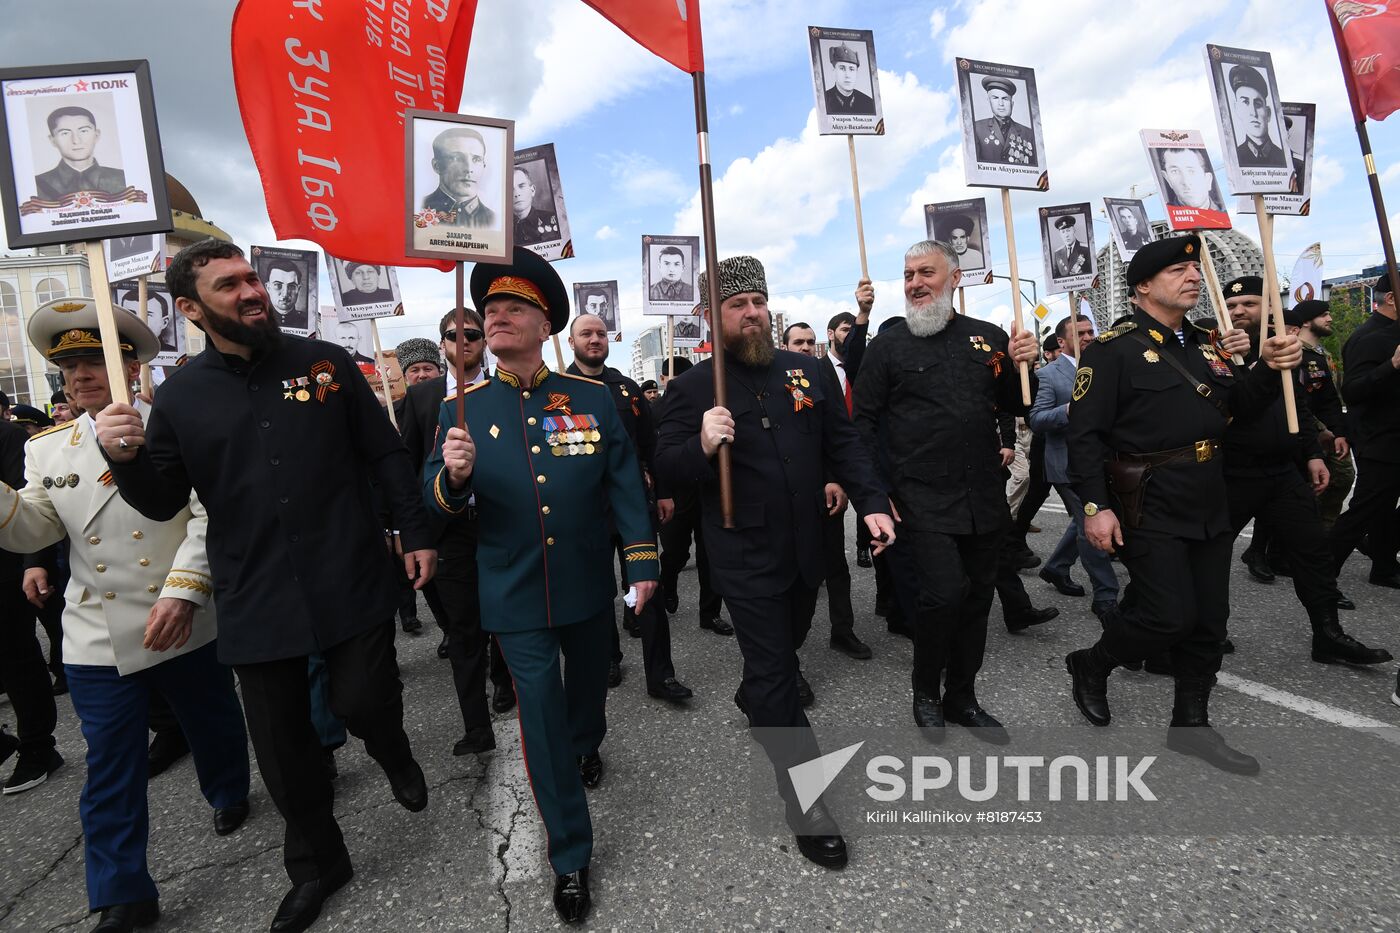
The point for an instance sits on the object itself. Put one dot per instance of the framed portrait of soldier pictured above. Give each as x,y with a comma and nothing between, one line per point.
963,226
1252,133
537,204
670,274
1127,218
458,176
80,154
689,330
290,277
364,290
353,336
598,298
129,256
1067,244
1186,180
1003,146
1300,124
161,317
846,81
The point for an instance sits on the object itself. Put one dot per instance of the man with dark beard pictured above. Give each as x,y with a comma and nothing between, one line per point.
281,437
787,438
928,392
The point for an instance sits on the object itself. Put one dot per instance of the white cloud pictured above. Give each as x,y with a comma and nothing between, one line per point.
641,181
1327,173
1389,175
605,232
736,109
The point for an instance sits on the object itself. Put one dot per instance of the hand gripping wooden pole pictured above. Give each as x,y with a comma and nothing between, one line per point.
1015,290
107,324
1273,303
1216,296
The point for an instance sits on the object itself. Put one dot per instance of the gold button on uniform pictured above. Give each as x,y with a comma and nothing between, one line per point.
109,595
144,562
137,535
540,478
545,509
152,589
94,540
535,449
524,394
530,420
101,568
548,540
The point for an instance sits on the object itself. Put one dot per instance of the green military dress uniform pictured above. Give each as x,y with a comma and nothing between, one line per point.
552,460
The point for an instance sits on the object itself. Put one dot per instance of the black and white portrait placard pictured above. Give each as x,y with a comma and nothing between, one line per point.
1003,146
1127,218
670,274
1248,111
290,277
537,204
363,290
354,336
846,81
963,226
459,172
167,323
1300,124
598,298
80,154
689,330
130,256
1067,244
1186,180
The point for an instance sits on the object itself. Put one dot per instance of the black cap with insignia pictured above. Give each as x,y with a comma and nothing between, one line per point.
1157,255
1304,311
1244,285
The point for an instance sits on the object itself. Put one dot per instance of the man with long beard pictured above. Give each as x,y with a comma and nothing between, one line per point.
787,437
928,392
281,438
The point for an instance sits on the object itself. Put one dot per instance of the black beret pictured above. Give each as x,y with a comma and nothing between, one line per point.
676,366
58,398
1381,288
1248,76
648,385
990,83
1050,344
1244,285
1305,311
1157,255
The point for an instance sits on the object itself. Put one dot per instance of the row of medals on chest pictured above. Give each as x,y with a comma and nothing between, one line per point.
578,435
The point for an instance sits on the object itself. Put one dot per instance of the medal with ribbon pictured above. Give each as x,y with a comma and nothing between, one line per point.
324,375
800,399
558,401
995,362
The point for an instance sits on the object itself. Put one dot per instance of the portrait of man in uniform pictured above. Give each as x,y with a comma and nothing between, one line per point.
597,302
999,137
533,224
687,328
347,334
365,287
960,232
285,281
73,132
843,96
669,279
1132,228
1069,257
459,158
1187,178
1253,114
158,317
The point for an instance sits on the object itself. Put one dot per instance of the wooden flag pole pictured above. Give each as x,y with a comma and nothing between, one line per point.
707,216
962,302
1073,341
1015,289
383,374
860,222
1273,303
141,296
558,353
459,320
1216,296
107,324
670,347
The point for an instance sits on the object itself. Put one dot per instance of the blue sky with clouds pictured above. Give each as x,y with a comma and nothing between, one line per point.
623,126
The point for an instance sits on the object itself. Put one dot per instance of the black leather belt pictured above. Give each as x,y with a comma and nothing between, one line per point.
1199,452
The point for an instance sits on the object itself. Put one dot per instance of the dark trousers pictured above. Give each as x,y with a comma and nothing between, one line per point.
957,574
1285,504
562,716
655,627
456,581
1371,513
838,574
51,616
113,806
675,554
365,691
1011,591
22,667
1037,491
769,630
1179,601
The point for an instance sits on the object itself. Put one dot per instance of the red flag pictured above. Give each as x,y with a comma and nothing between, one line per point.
668,28
1368,41
322,88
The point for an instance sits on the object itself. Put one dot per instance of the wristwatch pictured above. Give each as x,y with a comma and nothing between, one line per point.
1090,509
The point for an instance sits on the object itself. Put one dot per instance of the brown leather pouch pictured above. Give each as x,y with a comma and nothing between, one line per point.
1127,479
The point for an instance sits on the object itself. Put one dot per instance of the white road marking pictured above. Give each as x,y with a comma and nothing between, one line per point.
1386,731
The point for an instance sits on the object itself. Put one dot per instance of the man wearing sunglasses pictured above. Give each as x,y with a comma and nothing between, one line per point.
464,643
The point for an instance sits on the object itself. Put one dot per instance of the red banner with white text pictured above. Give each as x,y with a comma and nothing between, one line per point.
1368,40
668,28
322,86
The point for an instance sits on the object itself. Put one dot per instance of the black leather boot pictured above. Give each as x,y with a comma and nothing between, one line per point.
1191,732
1331,645
1088,670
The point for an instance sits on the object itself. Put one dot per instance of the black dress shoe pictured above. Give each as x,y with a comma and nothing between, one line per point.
1024,620
442,647
848,644
1061,582
928,716
590,768
614,674
818,837
228,819
571,898
122,918
166,749
717,625
1344,603
302,904
673,600
477,740
411,625
1089,686
670,690
981,723
805,696
503,697
1258,566
1331,645
1205,743
410,787
863,557
1026,560
1391,580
